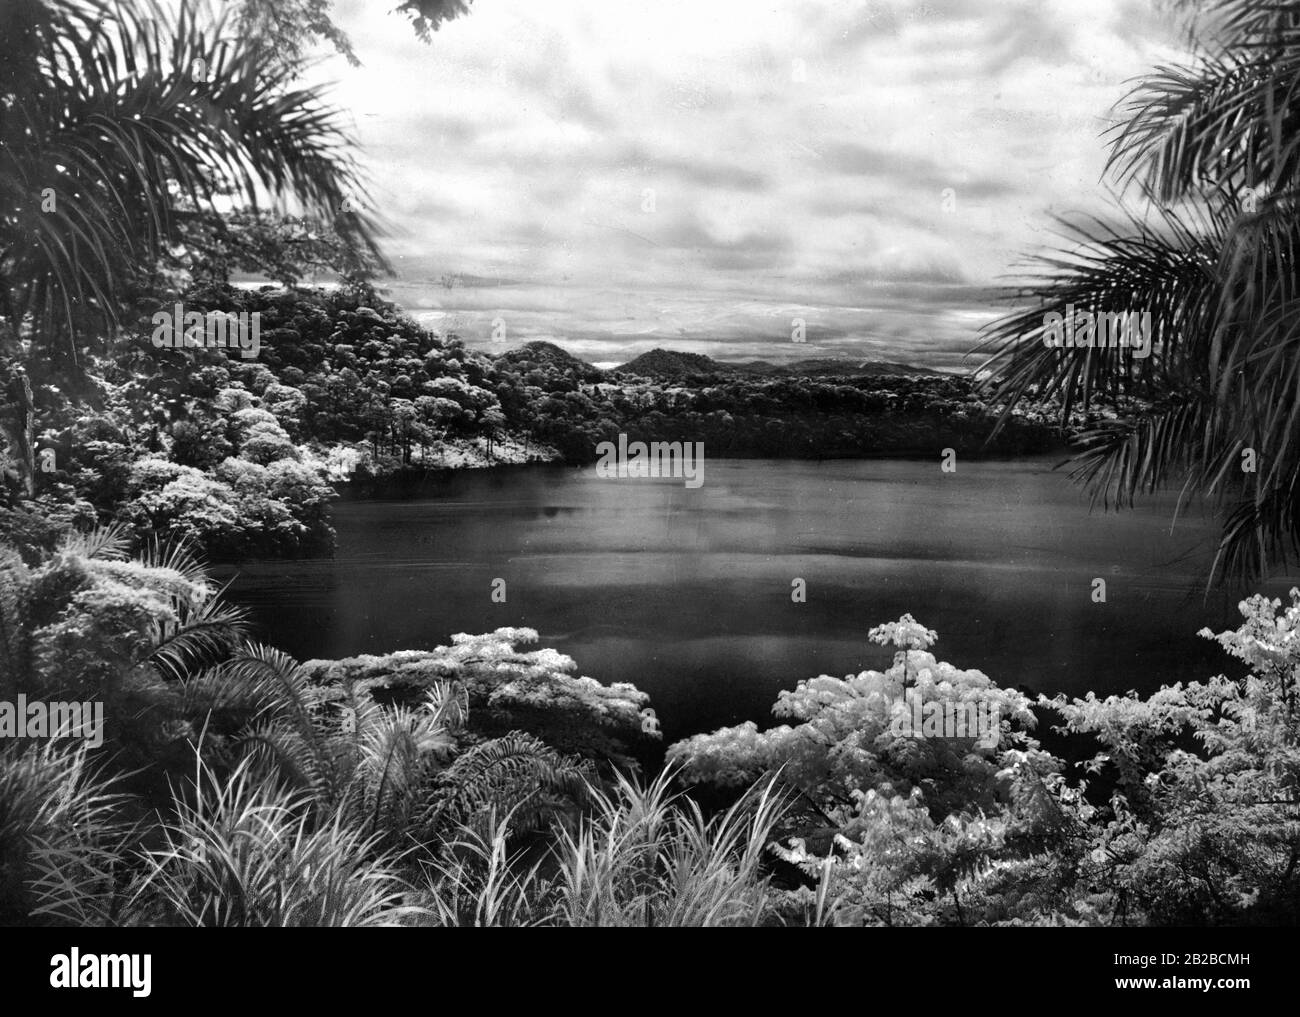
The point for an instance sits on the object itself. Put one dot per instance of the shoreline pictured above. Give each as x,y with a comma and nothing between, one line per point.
408,477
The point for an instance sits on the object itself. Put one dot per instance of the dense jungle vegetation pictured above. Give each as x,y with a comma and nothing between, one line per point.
489,782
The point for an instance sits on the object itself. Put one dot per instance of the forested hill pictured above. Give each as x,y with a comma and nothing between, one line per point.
541,352
240,455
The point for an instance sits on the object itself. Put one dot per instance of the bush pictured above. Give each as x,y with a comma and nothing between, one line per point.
511,689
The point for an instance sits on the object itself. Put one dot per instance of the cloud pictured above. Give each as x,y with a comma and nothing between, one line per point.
676,170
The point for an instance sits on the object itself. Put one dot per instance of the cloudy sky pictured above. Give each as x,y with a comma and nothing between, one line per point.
616,175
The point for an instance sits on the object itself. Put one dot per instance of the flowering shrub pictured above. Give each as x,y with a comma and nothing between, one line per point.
511,689
1202,826
845,736
1206,828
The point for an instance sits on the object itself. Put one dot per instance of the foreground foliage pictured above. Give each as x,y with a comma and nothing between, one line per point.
484,784
1201,825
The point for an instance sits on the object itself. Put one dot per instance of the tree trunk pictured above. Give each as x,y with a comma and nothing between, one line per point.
18,431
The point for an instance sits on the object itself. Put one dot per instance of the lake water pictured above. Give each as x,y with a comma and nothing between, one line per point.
687,593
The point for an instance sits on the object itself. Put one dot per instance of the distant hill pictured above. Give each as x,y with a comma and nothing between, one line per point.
827,366
675,364
541,352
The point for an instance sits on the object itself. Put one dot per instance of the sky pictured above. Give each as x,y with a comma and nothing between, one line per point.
619,175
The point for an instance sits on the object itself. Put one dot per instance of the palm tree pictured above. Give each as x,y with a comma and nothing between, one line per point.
1212,150
116,119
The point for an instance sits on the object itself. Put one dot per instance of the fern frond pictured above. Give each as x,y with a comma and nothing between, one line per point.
266,685
515,773
278,748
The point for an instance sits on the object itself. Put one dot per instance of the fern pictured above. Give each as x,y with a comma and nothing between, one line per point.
399,751
517,774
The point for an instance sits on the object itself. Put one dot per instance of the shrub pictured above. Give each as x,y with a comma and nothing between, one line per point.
512,689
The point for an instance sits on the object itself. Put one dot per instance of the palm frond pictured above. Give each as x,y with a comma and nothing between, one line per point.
106,113
199,634
1221,389
1230,117
103,543
259,683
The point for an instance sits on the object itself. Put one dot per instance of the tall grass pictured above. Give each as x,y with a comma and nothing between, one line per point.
61,843
482,884
242,851
645,857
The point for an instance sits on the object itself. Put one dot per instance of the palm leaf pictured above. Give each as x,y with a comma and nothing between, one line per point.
104,108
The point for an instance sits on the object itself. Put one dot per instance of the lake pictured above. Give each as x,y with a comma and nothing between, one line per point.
687,593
